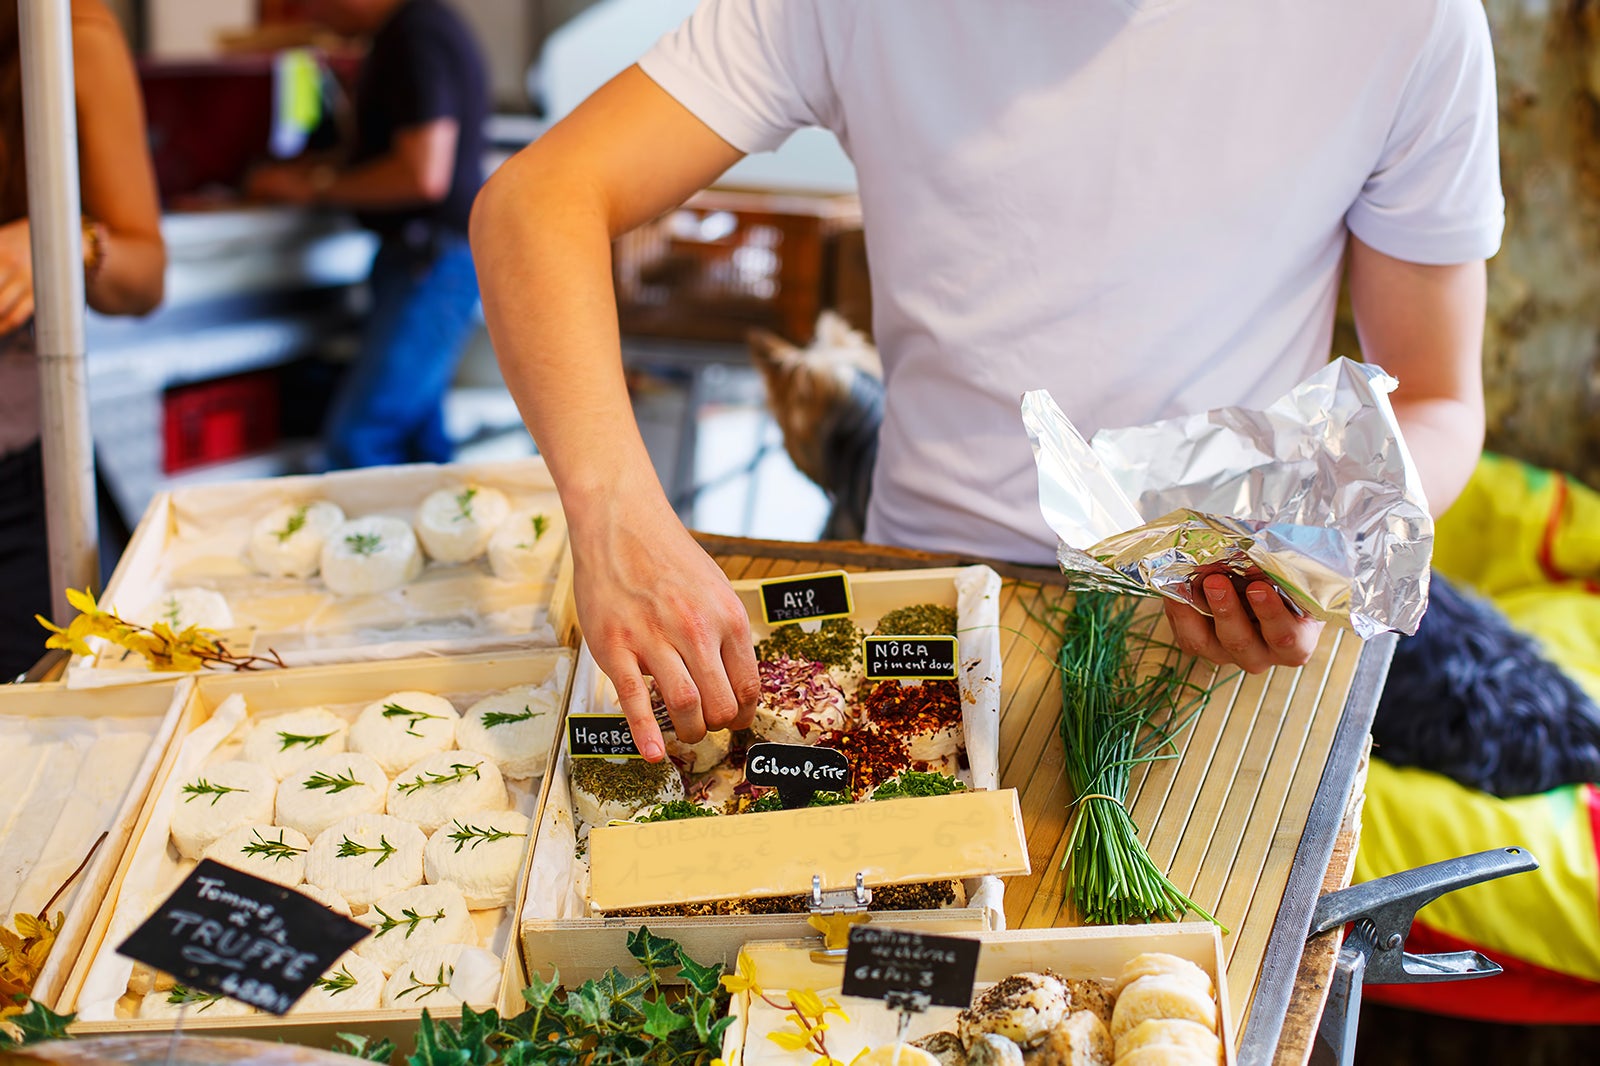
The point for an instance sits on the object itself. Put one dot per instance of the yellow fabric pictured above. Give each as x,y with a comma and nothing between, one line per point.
1550,917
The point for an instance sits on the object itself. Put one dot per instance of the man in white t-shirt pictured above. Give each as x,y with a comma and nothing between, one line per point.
1144,206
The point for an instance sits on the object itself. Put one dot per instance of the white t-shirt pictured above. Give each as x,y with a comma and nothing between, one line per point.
1140,205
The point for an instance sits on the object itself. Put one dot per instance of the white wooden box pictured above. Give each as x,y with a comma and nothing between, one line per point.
149,868
197,537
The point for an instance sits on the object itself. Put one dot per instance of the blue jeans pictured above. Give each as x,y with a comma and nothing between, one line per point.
390,408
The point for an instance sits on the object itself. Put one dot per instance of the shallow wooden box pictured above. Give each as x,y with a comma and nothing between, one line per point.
558,936
1089,951
79,764
462,679
196,537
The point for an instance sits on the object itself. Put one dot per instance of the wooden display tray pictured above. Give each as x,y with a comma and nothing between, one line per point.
103,796
582,947
283,690
196,537
1096,952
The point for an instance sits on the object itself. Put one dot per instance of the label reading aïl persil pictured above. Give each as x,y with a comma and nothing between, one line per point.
802,599
600,736
910,658
910,971
227,932
797,771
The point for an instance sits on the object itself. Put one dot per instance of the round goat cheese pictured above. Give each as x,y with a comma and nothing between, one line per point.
413,920
456,524
168,1003
330,788
515,728
528,544
286,742
1023,1008
425,979
607,790
366,857
369,555
433,790
404,727
178,609
351,983
218,799
272,853
327,897
699,757
287,541
481,853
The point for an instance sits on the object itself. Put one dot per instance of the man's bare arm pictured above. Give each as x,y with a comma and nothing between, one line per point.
650,600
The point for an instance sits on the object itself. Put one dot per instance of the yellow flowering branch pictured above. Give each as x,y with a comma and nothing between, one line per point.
805,1010
189,649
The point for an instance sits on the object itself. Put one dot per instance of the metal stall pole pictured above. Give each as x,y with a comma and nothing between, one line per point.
55,222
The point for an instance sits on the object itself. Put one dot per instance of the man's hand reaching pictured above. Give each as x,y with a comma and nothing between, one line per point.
1255,633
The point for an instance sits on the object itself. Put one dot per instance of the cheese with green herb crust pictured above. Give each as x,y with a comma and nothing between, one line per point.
370,555
366,858
330,788
455,524
409,921
431,791
481,852
287,541
272,853
218,799
404,727
286,742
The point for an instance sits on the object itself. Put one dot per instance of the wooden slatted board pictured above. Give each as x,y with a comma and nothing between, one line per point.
1225,818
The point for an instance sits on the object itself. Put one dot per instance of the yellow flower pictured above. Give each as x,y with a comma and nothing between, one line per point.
835,928
791,1041
744,980
83,601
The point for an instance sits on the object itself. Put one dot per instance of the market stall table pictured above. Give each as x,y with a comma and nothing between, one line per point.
1258,817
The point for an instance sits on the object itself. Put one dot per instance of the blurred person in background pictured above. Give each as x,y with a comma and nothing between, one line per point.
421,100
124,261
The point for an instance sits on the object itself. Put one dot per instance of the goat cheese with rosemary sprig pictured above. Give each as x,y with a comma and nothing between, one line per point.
431,791
169,1003
516,728
366,857
528,545
218,799
445,976
370,555
272,853
287,541
455,524
412,920
404,727
351,983
481,853
330,788
284,743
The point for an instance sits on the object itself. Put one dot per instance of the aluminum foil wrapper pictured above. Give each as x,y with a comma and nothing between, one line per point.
1316,494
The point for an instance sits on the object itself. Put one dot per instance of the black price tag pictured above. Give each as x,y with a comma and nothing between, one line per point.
910,971
918,658
600,736
227,932
800,599
797,771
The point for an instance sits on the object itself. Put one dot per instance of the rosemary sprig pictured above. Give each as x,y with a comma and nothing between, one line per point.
408,918
494,718
459,771
540,524
180,994
170,612
340,980
394,710
276,850
425,988
473,835
287,740
202,787
335,784
349,849
464,504
295,524
363,543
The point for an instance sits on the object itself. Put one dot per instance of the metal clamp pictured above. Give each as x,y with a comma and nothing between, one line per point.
1380,914
833,912
839,900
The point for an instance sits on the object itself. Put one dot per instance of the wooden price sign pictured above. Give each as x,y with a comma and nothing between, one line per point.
600,736
922,658
227,932
807,598
797,771
910,971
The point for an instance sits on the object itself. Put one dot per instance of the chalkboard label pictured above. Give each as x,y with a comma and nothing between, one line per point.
227,932
910,971
797,771
910,658
800,599
600,736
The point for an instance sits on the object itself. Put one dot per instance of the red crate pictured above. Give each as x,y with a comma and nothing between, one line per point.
213,421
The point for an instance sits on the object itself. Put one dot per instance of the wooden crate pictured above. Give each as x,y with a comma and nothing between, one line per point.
1097,953
80,765
347,686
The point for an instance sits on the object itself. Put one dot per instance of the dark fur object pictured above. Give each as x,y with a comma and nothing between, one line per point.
1471,698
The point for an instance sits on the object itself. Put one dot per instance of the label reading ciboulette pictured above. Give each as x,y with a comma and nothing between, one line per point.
914,658
807,598
227,932
797,770
600,736
910,971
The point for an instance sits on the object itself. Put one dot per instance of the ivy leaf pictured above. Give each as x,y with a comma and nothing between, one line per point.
364,1047
653,952
702,1018
540,992
479,1033
590,1004
36,1025
703,979
661,1021
434,1046
718,1029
